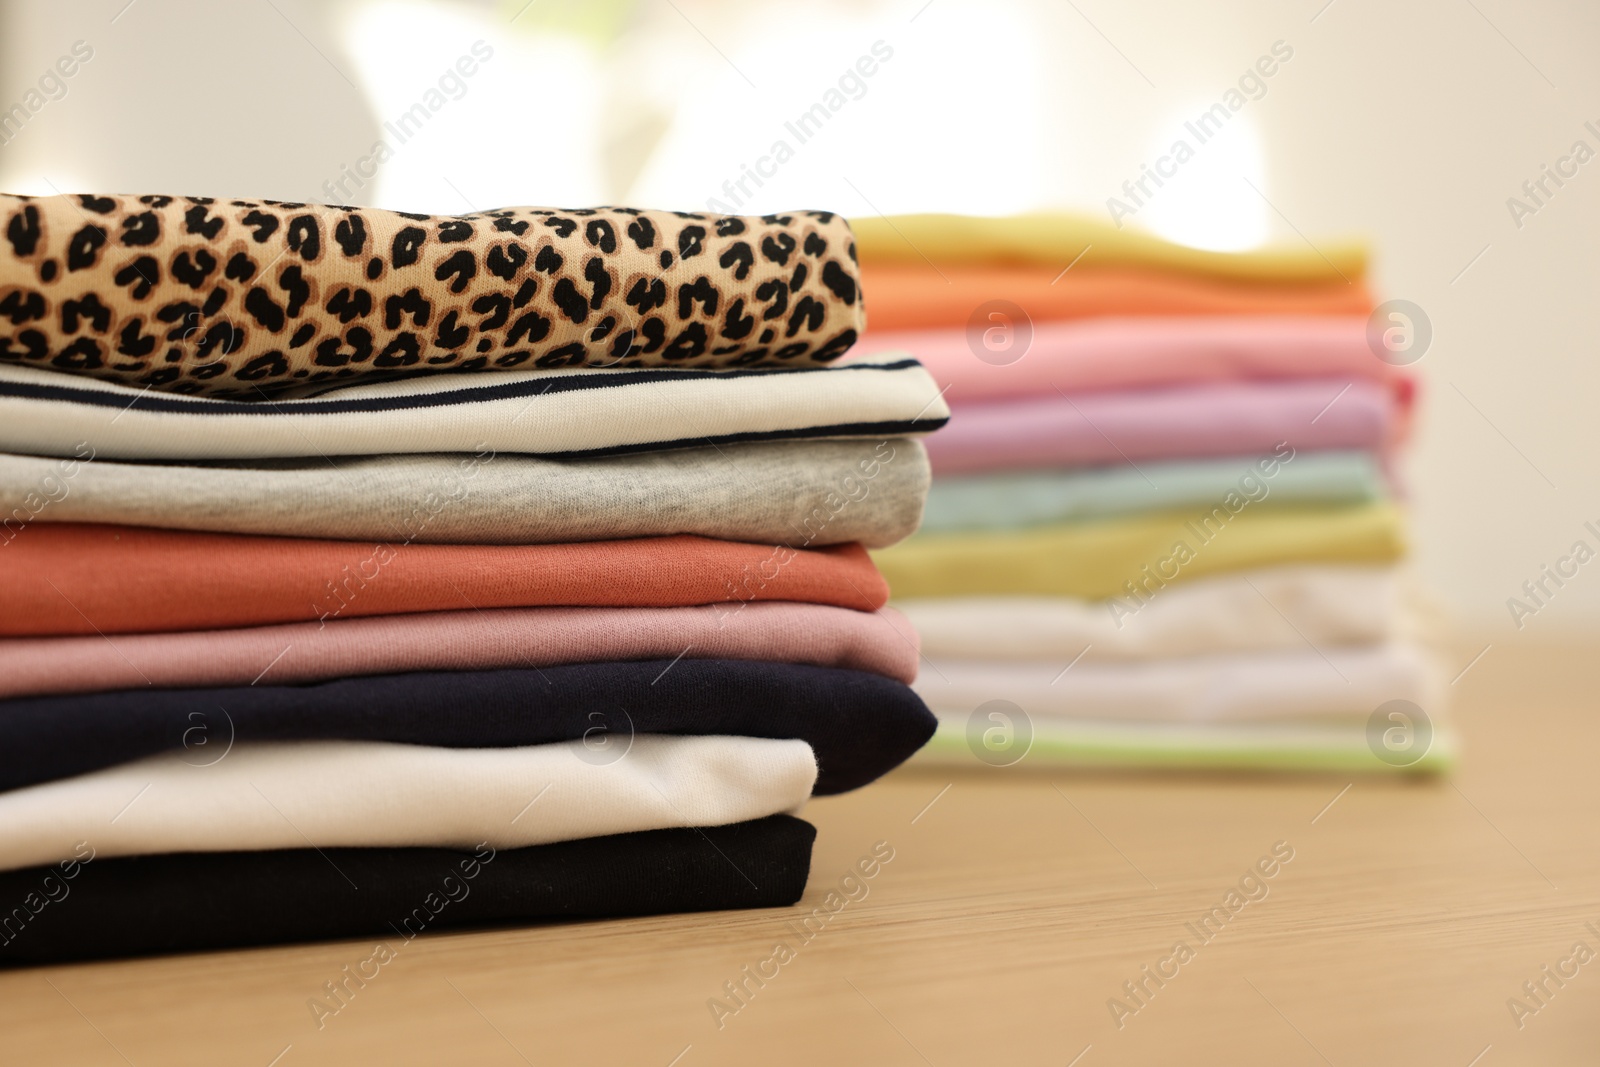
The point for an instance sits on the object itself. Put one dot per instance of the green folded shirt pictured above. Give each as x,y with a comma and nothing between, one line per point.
1341,748
1134,557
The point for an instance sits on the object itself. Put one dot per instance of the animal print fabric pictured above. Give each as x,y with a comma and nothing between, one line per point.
258,299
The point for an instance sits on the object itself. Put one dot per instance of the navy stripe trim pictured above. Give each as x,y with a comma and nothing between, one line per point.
560,383
915,427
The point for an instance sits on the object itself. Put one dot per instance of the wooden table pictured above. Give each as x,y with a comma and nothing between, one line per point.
1015,907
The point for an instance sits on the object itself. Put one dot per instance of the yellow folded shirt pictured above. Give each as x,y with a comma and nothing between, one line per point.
1054,240
1134,558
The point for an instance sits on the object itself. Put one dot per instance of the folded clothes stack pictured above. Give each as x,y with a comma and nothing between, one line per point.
1163,528
371,573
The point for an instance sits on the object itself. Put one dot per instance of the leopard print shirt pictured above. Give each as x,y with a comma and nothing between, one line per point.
248,299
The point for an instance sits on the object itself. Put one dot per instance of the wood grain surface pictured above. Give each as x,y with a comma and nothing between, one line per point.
1017,904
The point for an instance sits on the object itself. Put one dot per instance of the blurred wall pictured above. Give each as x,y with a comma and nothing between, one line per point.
180,95
1412,124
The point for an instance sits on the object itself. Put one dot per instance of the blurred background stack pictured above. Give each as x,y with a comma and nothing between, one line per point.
1165,527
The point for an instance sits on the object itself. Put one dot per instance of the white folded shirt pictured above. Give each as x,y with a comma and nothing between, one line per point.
558,412
366,793
1271,608
1239,687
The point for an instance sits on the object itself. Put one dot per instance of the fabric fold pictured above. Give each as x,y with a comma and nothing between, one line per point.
369,794
1004,500
860,726
1304,684
550,413
255,298
1271,747
1058,239
1136,559
880,642
799,493
1116,354
921,296
104,908
65,578
1275,608
1259,418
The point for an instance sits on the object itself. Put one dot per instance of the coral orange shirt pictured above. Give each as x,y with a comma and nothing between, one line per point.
70,578
921,296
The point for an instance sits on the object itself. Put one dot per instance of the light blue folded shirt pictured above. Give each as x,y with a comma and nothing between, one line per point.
1030,498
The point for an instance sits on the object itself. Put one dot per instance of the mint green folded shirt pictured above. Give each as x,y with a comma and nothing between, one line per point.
1048,747
1032,498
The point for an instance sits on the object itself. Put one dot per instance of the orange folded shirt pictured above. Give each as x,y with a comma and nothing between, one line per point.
87,578
916,296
